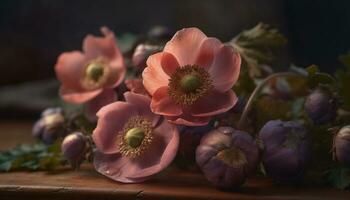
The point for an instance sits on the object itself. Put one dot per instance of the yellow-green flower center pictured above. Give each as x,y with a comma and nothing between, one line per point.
134,137
190,83
95,71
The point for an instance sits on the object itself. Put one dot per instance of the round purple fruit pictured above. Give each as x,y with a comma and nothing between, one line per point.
321,106
227,156
74,148
50,126
342,145
286,150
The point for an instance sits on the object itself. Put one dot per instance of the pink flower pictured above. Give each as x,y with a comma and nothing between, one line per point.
93,73
132,142
191,80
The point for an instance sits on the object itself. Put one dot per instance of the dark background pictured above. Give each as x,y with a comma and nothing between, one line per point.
34,32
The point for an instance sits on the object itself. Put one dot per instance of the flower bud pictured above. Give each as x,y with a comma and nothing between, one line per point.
50,111
342,145
50,126
227,156
320,106
160,33
74,148
142,52
286,150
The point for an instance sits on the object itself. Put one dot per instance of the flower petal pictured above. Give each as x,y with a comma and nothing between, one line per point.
111,120
70,69
225,69
185,45
106,46
161,152
153,75
116,167
116,74
136,86
214,103
92,107
77,97
188,120
162,104
206,55
169,63
142,104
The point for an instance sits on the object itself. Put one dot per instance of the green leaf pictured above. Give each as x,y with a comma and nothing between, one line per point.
5,166
34,157
339,177
257,46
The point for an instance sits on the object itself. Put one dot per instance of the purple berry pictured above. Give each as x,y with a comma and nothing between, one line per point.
50,126
320,106
142,52
50,111
286,150
160,33
74,148
342,145
227,156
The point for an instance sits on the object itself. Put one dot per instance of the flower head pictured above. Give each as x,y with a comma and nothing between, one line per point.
132,142
191,80
88,74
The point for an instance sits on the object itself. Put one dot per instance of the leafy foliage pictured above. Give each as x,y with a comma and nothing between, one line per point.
35,157
257,46
339,177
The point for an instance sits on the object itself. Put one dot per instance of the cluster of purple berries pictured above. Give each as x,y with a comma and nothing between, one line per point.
228,156
52,126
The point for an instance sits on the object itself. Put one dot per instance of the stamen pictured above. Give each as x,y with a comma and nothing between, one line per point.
188,84
96,74
135,137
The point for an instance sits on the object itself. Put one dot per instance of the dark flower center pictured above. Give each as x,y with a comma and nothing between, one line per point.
188,84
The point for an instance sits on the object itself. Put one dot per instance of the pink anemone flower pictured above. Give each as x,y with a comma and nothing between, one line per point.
91,75
132,142
192,79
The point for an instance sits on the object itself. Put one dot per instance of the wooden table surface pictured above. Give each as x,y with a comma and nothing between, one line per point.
172,184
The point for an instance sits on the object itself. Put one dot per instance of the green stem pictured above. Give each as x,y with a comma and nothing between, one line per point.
243,120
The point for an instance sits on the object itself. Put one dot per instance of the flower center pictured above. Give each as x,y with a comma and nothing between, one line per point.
96,74
233,157
188,84
135,137
95,71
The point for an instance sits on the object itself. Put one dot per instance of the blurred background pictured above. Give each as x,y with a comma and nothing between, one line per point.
34,32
